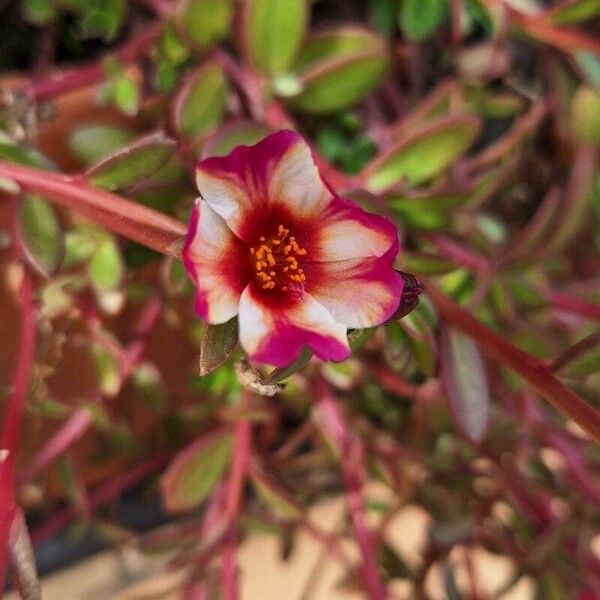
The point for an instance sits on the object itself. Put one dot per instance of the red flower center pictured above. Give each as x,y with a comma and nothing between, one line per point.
276,262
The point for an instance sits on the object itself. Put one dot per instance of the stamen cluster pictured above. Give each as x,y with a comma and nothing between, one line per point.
276,261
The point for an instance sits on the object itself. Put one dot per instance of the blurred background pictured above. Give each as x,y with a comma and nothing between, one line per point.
453,455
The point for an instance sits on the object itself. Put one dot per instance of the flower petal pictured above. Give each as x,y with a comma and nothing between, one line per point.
217,262
358,292
275,175
275,334
295,181
347,231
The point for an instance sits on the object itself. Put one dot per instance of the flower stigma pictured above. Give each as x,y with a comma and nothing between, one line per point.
276,264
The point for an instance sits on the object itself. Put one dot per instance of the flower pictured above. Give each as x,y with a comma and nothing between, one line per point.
271,243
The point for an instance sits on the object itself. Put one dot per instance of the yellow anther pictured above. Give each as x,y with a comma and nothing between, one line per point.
258,265
271,259
276,242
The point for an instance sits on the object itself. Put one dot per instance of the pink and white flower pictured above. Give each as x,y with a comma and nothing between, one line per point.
271,243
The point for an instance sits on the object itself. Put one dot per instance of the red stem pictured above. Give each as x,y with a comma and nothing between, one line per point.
233,504
532,370
352,465
582,308
13,416
129,219
82,76
72,430
109,491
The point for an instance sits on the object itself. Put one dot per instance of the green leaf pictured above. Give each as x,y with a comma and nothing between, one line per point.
126,95
140,159
223,141
39,12
107,370
41,234
464,378
584,364
93,142
576,205
216,345
195,471
281,373
204,22
425,213
275,498
421,263
200,103
585,115
419,19
103,19
106,265
573,12
272,32
422,154
13,152
338,68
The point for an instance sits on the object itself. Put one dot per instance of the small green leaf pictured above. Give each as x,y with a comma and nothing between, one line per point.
107,370
106,265
272,32
103,19
422,154
216,345
421,263
573,12
281,373
223,141
584,363
576,205
127,95
204,22
419,19
41,234
93,142
585,115
338,68
425,213
463,374
140,159
39,12
13,152
195,471
275,498
200,103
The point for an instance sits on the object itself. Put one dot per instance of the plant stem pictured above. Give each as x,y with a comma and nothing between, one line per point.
129,219
531,369
111,490
233,504
82,76
351,458
23,560
13,415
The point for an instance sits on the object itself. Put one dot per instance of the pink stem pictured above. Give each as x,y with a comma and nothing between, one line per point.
352,465
233,504
71,431
82,76
106,493
13,416
531,369
587,310
127,218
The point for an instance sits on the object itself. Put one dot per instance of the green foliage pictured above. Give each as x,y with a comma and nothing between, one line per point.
419,19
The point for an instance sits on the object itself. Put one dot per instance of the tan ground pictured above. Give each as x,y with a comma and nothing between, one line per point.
308,575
